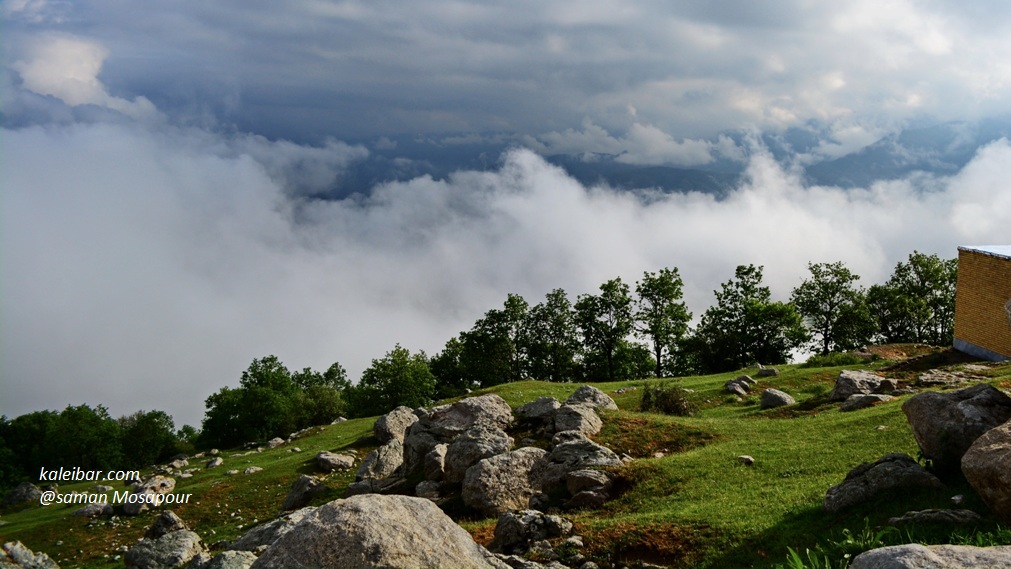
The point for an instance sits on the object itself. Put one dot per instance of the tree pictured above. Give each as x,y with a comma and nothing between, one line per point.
447,366
661,316
834,309
917,304
492,351
551,339
148,438
605,320
745,326
399,378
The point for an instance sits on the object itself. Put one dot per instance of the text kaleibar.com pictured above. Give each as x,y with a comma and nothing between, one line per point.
78,474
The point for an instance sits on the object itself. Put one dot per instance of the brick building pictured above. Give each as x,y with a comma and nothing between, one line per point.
983,302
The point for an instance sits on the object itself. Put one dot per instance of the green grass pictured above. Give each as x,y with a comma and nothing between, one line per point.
696,506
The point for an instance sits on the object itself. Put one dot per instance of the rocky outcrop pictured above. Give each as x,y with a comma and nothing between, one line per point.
504,482
871,479
578,417
170,551
772,398
540,410
166,522
15,555
946,424
153,485
854,382
24,492
444,423
576,453
589,395
916,556
376,531
435,462
987,467
302,491
266,534
394,425
588,488
478,442
382,461
516,530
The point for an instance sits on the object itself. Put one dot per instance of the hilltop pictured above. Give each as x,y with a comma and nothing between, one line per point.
684,499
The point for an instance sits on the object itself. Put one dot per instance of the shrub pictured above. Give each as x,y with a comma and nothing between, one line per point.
832,359
666,398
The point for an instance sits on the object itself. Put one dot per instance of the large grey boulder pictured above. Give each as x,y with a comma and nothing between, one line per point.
154,485
329,461
370,531
444,423
946,424
576,453
504,482
302,491
435,462
577,417
15,555
480,441
382,461
987,467
541,409
871,479
94,511
228,560
394,424
24,492
166,522
916,556
516,530
772,398
268,533
591,396
854,382
170,551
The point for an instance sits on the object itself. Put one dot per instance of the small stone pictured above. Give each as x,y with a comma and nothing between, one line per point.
746,460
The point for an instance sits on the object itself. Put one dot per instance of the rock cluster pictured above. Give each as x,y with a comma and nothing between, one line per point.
893,472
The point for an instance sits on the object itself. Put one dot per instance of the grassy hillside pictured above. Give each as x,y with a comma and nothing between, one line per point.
687,500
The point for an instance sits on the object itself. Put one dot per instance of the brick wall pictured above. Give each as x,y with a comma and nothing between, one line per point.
984,288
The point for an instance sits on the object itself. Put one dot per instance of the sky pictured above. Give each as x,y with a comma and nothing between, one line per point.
159,162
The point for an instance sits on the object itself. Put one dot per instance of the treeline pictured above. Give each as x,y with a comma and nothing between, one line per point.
88,438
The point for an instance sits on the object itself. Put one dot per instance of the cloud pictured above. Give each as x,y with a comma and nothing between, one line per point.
152,265
643,144
67,68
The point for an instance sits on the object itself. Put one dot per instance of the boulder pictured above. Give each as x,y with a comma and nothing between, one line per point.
516,530
504,482
229,560
391,485
541,409
583,480
166,522
94,511
746,379
772,398
178,464
871,479
946,424
593,397
252,470
170,551
382,461
480,441
987,467
587,500
428,489
153,485
435,462
376,531
302,490
275,442
862,401
15,555
24,492
394,424
577,454
577,417
737,388
916,556
214,462
329,461
444,423
266,534
854,382
767,372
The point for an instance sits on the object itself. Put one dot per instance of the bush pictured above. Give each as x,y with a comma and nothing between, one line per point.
833,359
666,398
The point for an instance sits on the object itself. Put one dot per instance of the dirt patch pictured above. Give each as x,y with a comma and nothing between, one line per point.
666,544
641,437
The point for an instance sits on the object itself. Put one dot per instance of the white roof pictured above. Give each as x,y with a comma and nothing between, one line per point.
997,250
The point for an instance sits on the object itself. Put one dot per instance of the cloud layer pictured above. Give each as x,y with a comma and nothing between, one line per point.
146,269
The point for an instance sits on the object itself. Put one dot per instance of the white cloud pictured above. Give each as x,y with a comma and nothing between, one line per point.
150,268
643,144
